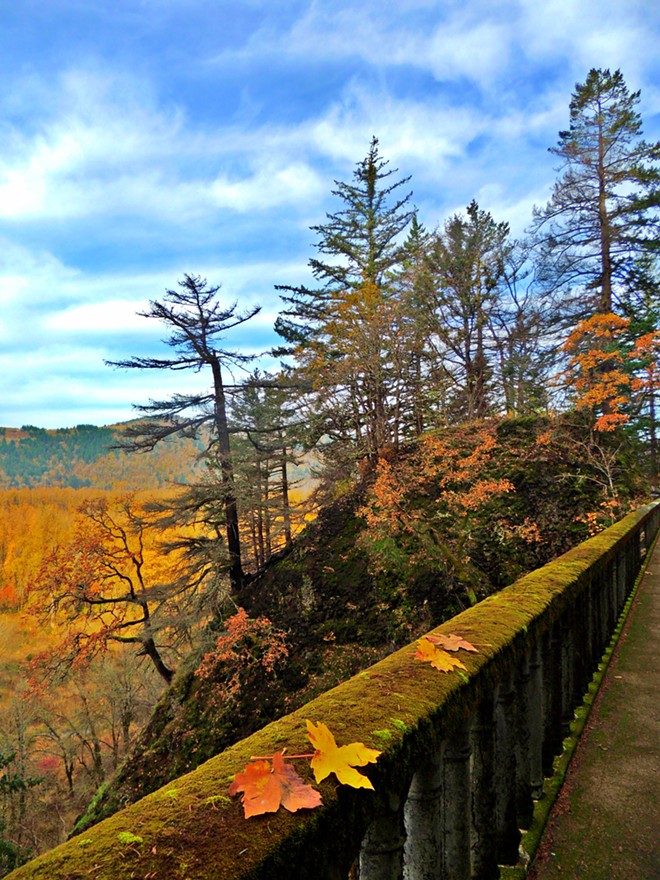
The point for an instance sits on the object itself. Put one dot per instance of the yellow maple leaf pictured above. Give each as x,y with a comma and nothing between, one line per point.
340,760
440,659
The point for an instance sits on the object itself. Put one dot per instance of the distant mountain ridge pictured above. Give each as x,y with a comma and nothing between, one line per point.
84,457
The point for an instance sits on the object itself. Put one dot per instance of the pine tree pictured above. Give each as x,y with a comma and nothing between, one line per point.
519,328
338,332
603,213
466,261
265,426
197,321
420,379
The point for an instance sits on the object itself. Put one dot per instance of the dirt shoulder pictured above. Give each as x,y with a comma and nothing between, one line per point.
605,824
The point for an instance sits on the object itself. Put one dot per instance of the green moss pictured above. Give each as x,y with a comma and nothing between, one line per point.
218,800
127,838
383,735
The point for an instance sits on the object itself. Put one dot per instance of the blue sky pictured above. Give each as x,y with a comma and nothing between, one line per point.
141,139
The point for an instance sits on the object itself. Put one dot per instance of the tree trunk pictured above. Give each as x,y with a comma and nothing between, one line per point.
286,509
231,510
605,304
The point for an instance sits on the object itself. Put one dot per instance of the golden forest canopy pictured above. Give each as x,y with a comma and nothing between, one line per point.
33,522
47,474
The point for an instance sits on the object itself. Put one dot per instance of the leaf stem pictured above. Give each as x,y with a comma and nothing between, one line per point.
287,757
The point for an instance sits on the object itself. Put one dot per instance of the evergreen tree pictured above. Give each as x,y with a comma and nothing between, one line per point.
339,333
603,213
265,426
520,328
467,260
421,383
197,321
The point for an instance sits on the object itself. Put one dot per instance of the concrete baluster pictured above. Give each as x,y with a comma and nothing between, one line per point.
456,830
507,834
552,732
591,646
381,853
581,659
535,702
568,698
612,599
621,586
603,628
524,802
484,861
636,561
423,822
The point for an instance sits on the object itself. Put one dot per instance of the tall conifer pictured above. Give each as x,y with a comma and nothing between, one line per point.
604,208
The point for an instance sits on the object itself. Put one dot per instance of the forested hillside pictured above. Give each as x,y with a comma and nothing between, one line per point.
85,456
473,406
460,514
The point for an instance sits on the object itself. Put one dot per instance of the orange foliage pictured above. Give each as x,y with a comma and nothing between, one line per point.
428,652
438,650
33,522
452,642
269,782
246,645
110,581
608,512
449,473
647,352
596,369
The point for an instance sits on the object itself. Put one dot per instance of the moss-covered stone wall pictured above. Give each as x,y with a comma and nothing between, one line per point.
191,830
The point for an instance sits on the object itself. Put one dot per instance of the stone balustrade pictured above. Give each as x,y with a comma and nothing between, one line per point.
464,754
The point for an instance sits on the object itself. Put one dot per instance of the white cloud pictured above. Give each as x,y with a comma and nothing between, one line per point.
108,316
109,191
269,186
450,41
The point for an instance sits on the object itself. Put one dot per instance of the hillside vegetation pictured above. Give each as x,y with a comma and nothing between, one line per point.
522,490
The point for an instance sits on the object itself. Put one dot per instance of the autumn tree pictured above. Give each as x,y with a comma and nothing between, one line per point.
335,331
13,787
197,322
110,584
421,512
18,781
604,208
88,721
596,370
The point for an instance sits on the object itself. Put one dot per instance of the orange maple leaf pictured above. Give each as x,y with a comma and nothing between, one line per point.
340,760
266,786
428,652
452,642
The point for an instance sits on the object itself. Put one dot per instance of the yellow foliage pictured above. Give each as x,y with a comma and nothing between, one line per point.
340,760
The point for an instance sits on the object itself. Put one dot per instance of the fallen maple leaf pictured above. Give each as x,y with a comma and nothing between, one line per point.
266,786
452,642
428,652
340,760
